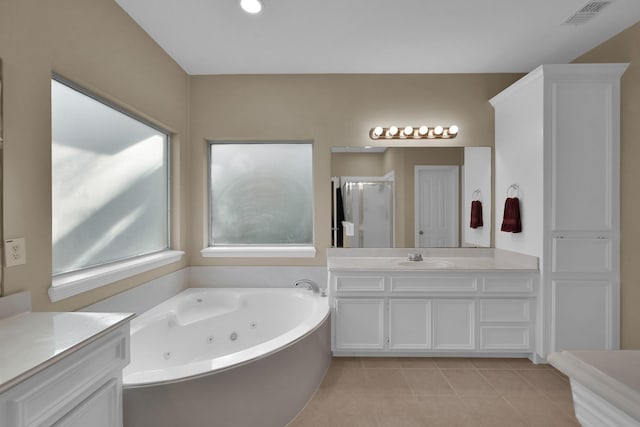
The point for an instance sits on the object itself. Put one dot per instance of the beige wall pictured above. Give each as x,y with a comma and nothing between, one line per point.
95,44
331,110
625,47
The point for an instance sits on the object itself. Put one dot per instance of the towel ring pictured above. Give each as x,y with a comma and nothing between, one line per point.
476,194
513,190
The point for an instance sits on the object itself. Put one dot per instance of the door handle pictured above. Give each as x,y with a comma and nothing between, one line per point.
421,232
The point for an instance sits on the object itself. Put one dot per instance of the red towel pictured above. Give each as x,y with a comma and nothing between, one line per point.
511,219
476,214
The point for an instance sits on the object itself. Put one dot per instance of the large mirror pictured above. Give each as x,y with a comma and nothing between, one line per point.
411,197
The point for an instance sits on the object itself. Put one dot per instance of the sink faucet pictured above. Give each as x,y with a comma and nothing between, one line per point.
311,285
415,256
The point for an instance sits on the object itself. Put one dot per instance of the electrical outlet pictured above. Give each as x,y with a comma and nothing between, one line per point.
15,252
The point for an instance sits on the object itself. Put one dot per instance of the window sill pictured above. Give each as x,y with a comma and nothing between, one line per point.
259,252
70,284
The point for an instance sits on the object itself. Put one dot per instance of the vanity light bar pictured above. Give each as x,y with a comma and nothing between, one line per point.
413,132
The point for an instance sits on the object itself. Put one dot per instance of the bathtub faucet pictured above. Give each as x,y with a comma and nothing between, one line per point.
311,285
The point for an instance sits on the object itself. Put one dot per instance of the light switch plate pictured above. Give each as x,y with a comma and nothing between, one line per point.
15,252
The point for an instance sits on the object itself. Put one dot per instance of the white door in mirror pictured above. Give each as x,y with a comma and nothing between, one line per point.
15,252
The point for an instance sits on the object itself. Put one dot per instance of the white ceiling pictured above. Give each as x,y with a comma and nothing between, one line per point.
375,36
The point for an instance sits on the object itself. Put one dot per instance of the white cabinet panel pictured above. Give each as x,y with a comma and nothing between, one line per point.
582,144
581,255
359,323
453,324
504,311
433,283
101,409
505,338
359,283
409,324
582,315
507,283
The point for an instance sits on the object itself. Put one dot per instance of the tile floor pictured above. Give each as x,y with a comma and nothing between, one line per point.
447,392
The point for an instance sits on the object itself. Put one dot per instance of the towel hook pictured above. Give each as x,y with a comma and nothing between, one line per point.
516,190
476,194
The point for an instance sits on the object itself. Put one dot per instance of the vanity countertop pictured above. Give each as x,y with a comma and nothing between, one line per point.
434,259
30,342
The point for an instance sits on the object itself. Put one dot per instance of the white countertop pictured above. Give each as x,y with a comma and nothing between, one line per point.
30,342
455,259
614,375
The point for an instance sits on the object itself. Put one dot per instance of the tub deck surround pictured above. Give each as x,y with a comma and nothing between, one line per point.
33,341
605,385
455,302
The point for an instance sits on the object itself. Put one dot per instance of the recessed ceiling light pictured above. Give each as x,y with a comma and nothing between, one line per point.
251,6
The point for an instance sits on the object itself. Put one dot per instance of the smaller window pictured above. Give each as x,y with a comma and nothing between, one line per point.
260,194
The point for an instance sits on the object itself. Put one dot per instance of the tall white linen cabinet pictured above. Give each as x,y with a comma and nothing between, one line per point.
557,148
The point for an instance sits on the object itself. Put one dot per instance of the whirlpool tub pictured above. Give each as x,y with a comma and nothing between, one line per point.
226,357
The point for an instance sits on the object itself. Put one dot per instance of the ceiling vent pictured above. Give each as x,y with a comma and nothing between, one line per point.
587,12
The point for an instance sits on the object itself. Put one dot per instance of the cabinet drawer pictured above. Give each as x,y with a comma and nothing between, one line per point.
517,284
504,311
505,338
426,284
581,255
360,283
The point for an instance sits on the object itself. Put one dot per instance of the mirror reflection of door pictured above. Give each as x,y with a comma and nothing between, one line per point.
436,201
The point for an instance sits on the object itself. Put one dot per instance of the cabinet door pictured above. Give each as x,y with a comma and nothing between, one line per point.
409,324
359,324
582,315
584,153
101,409
453,324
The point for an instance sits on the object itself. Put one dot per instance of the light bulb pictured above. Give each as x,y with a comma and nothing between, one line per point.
408,130
453,130
377,131
438,130
423,130
393,130
251,6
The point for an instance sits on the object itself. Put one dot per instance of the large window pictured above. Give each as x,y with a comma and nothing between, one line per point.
110,189
260,194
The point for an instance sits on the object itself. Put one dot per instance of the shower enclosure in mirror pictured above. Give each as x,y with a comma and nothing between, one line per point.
366,217
410,196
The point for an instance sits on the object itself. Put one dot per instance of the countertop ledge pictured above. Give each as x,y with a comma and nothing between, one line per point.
614,375
31,342
436,260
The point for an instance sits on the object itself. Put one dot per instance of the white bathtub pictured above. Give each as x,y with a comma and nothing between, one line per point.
196,354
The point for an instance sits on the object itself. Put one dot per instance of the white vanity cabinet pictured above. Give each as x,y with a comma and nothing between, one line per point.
557,138
79,386
428,313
